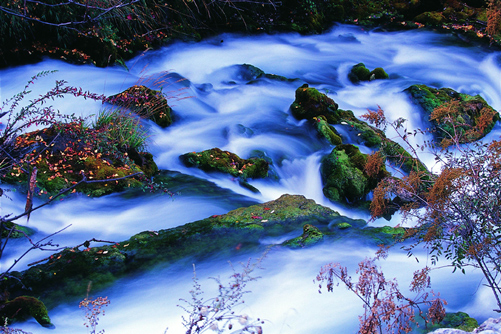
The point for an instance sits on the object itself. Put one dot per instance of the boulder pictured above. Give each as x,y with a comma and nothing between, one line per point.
344,177
452,113
146,102
69,150
361,73
218,160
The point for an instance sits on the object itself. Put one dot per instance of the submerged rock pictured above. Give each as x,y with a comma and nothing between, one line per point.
226,162
146,102
66,275
311,235
251,73
453,113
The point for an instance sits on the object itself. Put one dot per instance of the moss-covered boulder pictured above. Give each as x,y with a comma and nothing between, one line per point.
311,103
66,153
452,113
146,102
24,307
311,235
457,320
218,160
344,177
343,181
361,73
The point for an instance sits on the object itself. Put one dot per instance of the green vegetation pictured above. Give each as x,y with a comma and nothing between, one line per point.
360,73
227,162
23,307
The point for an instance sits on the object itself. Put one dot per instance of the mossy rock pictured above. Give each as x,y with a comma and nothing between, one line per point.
24,307
343,225
146,102
311,103
385,235
399,157
68,151
18,231
344,177
450,112
361,73
323,111
327,131
311,236
218,160
68,273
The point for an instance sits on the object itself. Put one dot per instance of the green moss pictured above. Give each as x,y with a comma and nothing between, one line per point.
311,103
432,18
226,162
458,320
343,181
23,307
401,158
361,73
343,226
344,177
327,131
18,232
384,235
379,73
311,236
66,274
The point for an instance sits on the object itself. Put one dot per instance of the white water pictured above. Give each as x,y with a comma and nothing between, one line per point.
225,112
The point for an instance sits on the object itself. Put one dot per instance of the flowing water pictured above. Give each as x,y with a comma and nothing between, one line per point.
215,106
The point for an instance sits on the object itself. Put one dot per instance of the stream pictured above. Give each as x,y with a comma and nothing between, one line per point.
215,106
